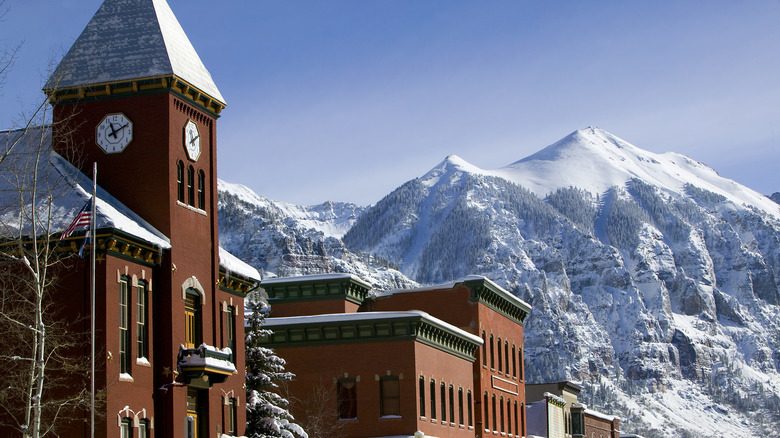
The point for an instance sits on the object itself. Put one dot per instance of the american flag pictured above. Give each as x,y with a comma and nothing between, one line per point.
82,219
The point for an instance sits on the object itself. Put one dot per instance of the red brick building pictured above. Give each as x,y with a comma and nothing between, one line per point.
133,96
444,360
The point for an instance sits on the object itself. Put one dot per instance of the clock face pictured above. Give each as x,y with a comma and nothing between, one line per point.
114,133
192,140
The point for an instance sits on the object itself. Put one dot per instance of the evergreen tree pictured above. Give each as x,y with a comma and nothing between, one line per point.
266,410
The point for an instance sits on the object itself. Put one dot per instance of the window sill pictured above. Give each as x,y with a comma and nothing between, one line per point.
390,417
124,377
142,361
189,207
348,419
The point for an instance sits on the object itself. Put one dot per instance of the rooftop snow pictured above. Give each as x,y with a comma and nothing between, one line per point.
315,278
132,39
517,301
232,263
70,189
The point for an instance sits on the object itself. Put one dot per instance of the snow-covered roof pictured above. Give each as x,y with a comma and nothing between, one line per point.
132,39
233,264
315,278
366,316
69,188
515,300
596,414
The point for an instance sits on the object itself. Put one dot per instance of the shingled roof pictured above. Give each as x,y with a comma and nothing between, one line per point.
132,39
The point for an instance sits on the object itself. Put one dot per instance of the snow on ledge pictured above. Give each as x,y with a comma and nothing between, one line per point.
315,277
233,264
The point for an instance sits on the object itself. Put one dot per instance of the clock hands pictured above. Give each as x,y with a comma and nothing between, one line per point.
115,131
193,139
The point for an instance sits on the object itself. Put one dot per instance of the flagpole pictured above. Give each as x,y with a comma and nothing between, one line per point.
92,298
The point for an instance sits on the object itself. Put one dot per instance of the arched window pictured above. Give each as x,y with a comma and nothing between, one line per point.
232,417
180,180
143,428
484,349
487,413
346,390
443,394
433,399
501,410
514,363
422,396
125,427
201,190
191,186
499,356
124,325
142,316
192,329
492,354
493,406
508,416
506,357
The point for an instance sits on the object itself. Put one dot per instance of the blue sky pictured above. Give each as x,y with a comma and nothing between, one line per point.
346,100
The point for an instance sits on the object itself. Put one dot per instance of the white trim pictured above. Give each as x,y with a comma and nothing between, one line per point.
193,283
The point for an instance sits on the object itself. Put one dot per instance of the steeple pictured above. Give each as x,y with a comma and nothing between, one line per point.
133,45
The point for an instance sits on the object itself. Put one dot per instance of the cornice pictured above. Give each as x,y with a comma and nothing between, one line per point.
109,90
346,331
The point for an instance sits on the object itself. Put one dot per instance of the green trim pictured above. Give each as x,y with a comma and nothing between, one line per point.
413,327
496,298
318,289
139,87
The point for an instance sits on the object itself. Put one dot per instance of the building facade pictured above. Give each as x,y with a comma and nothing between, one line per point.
133,96
455,351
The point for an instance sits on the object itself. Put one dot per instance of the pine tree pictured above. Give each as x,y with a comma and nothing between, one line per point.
266,410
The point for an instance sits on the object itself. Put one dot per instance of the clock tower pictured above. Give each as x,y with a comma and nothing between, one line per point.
133,96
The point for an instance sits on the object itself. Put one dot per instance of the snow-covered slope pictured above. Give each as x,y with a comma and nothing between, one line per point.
653,280
281,239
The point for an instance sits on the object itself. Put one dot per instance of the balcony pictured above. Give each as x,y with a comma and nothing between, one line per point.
206,365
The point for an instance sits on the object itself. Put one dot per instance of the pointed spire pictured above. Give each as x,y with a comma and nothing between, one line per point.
130,40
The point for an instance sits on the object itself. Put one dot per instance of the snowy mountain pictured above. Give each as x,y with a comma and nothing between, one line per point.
653,280
281,239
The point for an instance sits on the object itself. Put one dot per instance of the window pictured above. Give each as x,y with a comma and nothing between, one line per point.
501,410
192,412
347,398
508,416
470,414
493,406
192,328
443,402
180,180
232,426
520,363
422,396
514,362
506,357
499,355
390,396
484,349
433,399
460,406
142,317
125,427
452,404
517,425
522,417
201,190
231,332
143,428
124,329
191,186
492,355
487,413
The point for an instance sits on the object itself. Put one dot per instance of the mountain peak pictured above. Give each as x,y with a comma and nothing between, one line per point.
451,164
